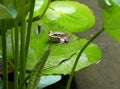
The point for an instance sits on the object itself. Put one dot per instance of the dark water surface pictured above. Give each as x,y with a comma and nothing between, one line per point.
106,74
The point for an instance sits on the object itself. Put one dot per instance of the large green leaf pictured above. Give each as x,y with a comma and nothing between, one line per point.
111,20
5,13
14,7
48,80
68,15
38,44
10,10
59,52
91,55
62,55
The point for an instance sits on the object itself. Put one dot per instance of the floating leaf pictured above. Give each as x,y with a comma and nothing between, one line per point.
48,80
111,20
68,15
91,55
59,52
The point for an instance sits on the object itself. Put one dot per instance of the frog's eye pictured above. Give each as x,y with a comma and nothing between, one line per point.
55,34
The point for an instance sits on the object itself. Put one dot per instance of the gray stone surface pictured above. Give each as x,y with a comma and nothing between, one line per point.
106,74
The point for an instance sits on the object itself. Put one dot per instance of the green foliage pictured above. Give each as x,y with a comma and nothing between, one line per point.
59,16
1,82
36,73
111,21
68,15
40,5
7,13
91,55
0,46
74,14
38,44
60,53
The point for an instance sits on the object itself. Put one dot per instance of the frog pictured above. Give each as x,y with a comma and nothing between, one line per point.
59,37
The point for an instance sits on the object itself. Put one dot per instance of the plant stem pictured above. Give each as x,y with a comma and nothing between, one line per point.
12,41
78,57
16,55
4,54
40,16
16,49
22,54
22,50
29,26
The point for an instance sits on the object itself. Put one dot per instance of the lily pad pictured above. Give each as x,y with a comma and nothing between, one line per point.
61,52
90,56
61,56
58,52
111,20
68,15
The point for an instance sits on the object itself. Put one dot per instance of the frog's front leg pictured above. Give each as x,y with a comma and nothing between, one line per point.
62,40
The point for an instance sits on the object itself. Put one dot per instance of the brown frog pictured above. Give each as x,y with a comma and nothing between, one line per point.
59,37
